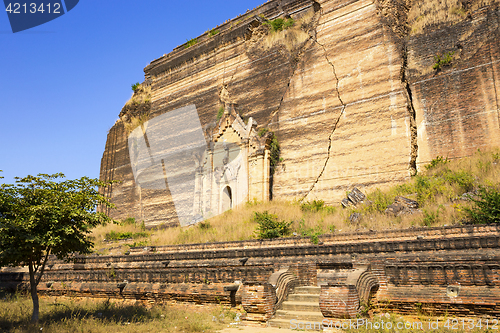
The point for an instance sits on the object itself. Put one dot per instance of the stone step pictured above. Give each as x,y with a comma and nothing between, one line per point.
303,298
313,290
300,306
296,325
304,316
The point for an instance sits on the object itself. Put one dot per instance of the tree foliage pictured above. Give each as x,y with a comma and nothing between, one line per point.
43,215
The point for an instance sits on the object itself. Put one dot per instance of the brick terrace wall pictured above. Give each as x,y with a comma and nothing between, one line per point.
411,266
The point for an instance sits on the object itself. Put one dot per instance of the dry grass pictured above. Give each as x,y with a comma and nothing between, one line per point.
91,315
140,96
133,122
437,190
428,13
131,118
292,37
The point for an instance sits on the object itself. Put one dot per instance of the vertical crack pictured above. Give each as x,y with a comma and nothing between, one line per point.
335,123
295,62
411,112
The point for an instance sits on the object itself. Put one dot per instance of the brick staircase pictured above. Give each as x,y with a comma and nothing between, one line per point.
302,305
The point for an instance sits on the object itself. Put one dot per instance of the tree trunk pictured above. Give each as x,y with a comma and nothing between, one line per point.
34,295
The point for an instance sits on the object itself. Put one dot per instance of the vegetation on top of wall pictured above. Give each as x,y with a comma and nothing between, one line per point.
213,32
142,94
135,86
433,13
191,42
279,24
136,110
288,32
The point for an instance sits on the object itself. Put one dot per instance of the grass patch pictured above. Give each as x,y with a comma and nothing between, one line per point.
141,95
114,235
212,32
90,315
425,14
220,113
190,43
288,32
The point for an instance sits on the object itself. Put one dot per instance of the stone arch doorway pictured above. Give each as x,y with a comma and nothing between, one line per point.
227,199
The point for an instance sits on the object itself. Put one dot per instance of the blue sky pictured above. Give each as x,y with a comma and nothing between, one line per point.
63,84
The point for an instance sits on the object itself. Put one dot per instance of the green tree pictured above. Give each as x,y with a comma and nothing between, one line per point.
44,215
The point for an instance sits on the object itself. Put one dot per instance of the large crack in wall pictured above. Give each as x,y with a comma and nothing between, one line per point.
335,123
411,113
395,15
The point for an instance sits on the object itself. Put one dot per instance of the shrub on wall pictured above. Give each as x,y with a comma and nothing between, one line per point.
442,60
279,24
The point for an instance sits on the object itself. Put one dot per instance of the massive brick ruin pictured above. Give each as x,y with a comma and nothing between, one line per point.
353,98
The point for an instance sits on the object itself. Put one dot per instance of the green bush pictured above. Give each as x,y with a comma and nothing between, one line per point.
463,179
135,86
443,60
279,24
204,225
486,207
270,227
379,200
316,206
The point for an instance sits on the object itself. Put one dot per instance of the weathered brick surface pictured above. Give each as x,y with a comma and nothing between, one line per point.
457,107
258,300
339,301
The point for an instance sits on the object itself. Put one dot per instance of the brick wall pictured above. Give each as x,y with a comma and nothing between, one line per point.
258,301
339,301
